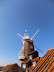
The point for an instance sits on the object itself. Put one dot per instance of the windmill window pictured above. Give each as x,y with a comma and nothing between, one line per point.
23,42
30,56
24,66
34,63
31,46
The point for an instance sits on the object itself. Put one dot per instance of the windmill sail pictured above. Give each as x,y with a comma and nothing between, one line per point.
35,34
19,35
38,49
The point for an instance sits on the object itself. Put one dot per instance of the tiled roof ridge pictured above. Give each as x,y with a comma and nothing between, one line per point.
12,64
43,58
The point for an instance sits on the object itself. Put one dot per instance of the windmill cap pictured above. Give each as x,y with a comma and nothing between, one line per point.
26,35
25,30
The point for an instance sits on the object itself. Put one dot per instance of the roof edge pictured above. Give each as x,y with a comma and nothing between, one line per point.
51,48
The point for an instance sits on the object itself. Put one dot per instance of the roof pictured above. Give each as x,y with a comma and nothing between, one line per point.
32,52
36,59
7,67
46,63
26,61
30,67
14,67
51,48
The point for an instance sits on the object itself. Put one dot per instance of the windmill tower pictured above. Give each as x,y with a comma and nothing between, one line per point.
27,45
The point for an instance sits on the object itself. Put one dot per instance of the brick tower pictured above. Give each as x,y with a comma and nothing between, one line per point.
28,46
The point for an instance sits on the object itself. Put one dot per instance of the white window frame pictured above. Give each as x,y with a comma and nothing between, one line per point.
24,66
30,56
31,46
34,63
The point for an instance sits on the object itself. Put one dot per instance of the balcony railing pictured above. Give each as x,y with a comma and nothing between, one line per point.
21,57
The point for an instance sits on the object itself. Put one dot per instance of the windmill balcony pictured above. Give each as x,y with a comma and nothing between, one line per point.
21,57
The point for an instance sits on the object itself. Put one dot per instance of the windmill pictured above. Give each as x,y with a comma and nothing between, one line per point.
27,44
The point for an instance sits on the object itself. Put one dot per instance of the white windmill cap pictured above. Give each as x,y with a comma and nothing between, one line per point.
26,35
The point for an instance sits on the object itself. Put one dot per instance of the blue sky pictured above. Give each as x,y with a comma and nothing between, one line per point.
18,15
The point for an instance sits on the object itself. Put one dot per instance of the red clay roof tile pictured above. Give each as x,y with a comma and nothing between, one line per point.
46,63
26,61
36,59
30,67
14,67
